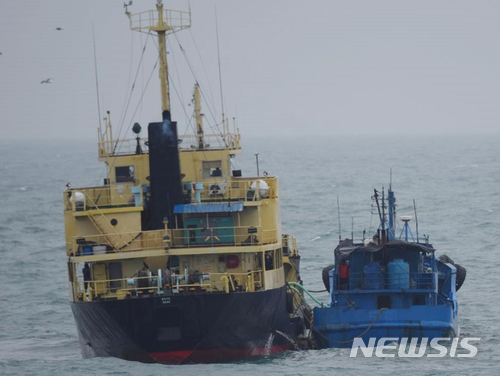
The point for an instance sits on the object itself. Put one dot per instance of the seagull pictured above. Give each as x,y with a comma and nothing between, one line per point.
47,81
59,28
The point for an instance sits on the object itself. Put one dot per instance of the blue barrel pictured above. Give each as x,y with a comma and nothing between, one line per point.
399,274
373,276
87,250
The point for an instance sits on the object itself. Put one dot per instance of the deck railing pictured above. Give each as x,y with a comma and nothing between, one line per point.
241,189
177,238
232,236
93,198
128,195
227,141
172,285
379,281
119,242
144,21
127,146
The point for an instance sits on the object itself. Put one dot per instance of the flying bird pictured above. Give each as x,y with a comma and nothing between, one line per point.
47,81
59,28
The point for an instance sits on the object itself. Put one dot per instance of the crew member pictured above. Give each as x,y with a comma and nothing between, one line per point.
86,275
344,275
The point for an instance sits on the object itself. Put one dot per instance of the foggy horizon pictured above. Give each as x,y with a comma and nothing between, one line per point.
324,69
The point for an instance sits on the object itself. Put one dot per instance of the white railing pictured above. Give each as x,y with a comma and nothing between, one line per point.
149,19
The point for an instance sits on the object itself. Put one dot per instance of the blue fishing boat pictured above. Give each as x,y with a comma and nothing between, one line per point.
388,286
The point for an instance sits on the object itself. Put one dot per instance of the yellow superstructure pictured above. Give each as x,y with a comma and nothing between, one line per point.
226,237
103,226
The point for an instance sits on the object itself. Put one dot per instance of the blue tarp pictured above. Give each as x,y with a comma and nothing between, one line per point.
208,208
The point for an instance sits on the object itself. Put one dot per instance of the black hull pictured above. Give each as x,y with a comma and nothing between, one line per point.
185,328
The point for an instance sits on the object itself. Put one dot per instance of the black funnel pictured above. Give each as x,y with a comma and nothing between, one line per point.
164,171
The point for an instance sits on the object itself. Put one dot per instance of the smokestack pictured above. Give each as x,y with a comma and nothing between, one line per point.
164,171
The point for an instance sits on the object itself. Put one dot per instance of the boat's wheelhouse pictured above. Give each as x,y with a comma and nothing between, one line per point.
395,275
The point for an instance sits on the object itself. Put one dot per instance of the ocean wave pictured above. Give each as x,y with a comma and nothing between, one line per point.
34,229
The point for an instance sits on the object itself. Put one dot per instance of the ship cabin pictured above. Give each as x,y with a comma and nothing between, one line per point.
135,237
385,275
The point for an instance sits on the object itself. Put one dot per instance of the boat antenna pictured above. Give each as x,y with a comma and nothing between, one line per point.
352,229
392,210
220,73
416,219
96,79
338,214
375,196
383,218
257,161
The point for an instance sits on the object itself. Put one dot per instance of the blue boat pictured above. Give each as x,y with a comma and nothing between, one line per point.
388,287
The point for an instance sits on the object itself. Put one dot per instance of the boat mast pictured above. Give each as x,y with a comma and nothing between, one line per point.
161,28
162,22
198,116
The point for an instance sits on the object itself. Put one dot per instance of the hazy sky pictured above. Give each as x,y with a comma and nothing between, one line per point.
292,67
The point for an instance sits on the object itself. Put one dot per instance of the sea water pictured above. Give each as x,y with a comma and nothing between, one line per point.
455,181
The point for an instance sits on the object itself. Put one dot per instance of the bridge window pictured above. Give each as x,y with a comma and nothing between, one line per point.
212,169
269,260
124,174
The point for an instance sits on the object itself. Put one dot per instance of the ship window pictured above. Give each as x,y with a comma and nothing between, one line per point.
279,259
258,261
212,169
269,260
124,174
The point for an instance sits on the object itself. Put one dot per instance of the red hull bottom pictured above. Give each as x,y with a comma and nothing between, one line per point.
212,356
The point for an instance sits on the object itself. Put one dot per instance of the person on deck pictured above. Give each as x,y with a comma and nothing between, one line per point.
86,275
344,275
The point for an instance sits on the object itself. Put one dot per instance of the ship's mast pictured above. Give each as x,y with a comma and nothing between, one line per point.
198,116
161,28
163,22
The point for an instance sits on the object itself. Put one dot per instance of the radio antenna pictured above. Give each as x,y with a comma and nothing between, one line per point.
96,80
416,219
352,229
220,73
338,213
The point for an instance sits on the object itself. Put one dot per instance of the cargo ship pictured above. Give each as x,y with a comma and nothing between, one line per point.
177,258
